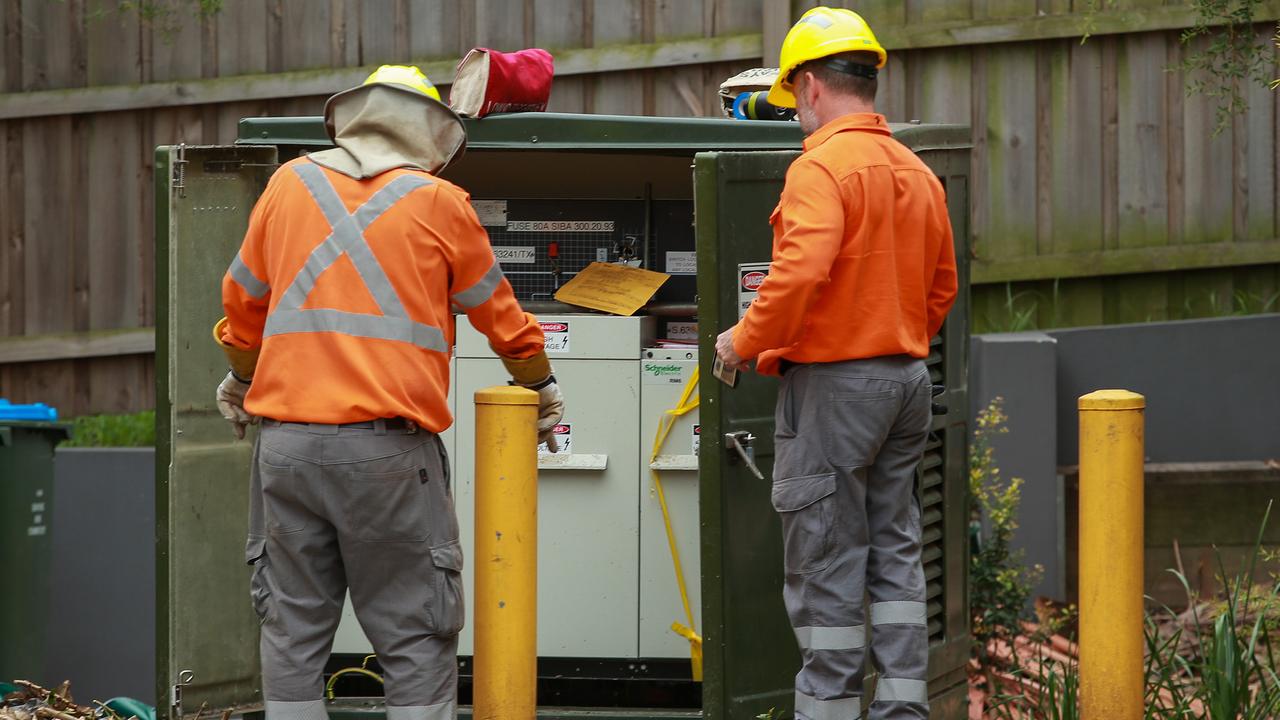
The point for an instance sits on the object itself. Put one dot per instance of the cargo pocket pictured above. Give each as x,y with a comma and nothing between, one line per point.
389,506
260,586
857,424
446,608
805,506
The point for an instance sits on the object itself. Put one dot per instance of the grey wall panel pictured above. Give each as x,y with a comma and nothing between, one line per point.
1021,368
102,613
1212,386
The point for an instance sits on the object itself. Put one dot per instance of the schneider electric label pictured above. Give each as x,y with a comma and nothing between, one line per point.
657,372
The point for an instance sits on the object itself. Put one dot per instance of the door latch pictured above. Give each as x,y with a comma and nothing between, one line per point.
175,693
740,442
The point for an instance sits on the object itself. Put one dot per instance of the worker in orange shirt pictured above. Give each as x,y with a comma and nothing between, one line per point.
339,329
863,275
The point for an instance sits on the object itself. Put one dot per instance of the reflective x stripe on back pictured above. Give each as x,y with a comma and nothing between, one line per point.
347,238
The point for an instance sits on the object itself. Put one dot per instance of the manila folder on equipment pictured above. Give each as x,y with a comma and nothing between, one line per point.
616,289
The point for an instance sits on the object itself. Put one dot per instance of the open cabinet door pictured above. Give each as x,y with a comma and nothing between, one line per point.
750,654
207,632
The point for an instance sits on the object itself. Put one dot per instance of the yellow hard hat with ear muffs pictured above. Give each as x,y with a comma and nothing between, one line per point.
821,33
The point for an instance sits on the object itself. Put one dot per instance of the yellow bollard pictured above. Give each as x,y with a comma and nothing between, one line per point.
1111,615
506,554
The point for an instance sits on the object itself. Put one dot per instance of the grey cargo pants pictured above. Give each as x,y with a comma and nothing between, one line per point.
849,437
367,509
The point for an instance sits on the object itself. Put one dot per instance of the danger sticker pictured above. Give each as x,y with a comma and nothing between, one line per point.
750,277
697,438
515,255
564,440
557,336
560,226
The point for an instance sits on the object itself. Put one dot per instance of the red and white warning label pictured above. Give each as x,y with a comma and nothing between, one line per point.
557,336
750,277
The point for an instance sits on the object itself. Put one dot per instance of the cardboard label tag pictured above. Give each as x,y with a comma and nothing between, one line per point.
682,263
612,288
492,213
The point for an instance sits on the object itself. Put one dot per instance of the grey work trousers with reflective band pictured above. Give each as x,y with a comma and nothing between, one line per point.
849,438
370,510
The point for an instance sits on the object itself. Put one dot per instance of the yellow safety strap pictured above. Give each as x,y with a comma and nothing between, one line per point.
667,422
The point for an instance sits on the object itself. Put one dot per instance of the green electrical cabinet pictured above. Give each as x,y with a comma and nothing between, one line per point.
26,505
728,175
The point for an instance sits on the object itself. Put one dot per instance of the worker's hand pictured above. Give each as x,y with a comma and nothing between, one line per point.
230,399
550,413
724,349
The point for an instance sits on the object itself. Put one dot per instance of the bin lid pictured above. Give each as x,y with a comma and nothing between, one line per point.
38,412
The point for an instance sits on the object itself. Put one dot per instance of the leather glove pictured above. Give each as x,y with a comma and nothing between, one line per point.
550,411
535,373
230,398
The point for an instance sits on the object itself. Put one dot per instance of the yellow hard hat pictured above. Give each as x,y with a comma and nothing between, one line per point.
406,76
820,33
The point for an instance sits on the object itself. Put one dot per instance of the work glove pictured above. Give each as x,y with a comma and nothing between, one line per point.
550,411
230,398
535,373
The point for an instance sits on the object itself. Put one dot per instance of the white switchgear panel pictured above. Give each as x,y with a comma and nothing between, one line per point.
664,374
606,582
588,497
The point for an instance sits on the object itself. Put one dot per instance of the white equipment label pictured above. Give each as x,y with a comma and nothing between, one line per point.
697,438
682,263
492,213
515,255
593,226
564,439
657,372
682,331
557,336
750,277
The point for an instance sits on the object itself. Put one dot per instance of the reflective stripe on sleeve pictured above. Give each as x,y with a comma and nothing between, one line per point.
479,293
379,327
246,279
815,709
902,690
831,638
900,612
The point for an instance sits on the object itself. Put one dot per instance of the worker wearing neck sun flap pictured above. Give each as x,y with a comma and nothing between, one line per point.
863,274
338,329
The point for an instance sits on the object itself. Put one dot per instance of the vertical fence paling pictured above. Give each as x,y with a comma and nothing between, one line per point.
506,554
1111,540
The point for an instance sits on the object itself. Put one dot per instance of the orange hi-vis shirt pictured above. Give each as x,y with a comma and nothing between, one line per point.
346,286
863,262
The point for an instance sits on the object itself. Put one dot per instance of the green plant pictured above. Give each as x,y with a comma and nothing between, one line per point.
1231,61
131,430
1051,691
999,584
1230,673
1089,18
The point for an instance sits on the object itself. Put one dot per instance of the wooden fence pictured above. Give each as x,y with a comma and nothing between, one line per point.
1098,192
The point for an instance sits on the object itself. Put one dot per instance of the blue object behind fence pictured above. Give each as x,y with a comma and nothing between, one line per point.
38,412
